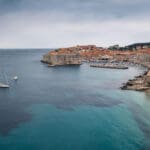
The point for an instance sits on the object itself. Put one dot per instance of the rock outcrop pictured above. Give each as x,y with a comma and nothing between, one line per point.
140,83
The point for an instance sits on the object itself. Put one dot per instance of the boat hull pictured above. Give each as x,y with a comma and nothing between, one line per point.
4,85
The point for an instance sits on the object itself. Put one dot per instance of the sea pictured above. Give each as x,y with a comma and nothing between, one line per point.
69,107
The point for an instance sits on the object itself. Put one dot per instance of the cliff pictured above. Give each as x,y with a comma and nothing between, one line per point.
60,57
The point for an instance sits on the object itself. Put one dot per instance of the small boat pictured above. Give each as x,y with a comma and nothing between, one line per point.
4,85
15,78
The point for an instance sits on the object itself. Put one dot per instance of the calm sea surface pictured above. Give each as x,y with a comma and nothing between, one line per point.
69,107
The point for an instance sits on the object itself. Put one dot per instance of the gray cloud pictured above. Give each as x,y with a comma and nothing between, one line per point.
54,23
79,9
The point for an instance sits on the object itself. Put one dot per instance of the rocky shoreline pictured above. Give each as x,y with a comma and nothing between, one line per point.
139,83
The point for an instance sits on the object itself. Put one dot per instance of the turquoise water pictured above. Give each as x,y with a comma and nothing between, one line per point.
69,108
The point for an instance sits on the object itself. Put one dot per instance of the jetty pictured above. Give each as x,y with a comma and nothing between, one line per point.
109,66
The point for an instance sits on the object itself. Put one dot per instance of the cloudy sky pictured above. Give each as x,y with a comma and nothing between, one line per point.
63,23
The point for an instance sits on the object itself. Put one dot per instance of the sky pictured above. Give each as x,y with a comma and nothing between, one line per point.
64,23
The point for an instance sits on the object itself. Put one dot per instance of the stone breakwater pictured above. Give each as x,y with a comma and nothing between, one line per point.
109,66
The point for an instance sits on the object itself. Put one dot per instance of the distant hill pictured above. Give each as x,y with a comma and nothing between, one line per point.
138,46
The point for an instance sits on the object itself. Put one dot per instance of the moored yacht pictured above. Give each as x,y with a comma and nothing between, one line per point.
4,85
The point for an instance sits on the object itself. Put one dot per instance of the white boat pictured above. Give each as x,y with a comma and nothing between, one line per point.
15,78
4,85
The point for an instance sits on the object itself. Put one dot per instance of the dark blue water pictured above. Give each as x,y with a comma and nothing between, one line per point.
69,107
